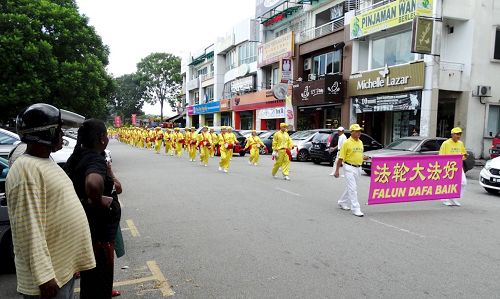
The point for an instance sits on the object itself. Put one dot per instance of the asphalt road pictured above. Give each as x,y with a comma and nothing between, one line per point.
247,235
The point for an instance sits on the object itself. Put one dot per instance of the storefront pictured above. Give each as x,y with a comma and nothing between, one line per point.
245,108
386,102
203,114
270,118
225,113
318,102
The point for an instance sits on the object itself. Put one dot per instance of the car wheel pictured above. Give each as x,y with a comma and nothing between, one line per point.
491,191
303,156
368,172
316,161
242,154
7,254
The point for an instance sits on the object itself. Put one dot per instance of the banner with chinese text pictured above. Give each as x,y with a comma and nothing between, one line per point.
414,178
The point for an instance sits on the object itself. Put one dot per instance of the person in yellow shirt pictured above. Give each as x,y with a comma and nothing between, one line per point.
255,144
234,140
453,146
351,157
191,142
282,144
158,138
215,142
152,137
226,143
178,139
205,144
187,136
167,138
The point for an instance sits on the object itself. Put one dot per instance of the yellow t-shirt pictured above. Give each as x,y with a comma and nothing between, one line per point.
50,231
450,147
352,151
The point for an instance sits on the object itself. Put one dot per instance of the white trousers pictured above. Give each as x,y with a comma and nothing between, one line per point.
464,185
350,195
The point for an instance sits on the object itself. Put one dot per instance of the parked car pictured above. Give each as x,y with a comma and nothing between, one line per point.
267,139
8,141
324,140
6,247
248,133
489,177
238,148
495,146
412,146
302,141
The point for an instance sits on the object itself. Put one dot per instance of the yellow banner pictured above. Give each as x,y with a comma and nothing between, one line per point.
389,15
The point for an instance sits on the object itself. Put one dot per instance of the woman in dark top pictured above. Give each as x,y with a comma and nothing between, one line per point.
87,169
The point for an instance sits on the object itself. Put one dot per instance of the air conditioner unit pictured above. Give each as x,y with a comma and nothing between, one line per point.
483,91
307,64
311,77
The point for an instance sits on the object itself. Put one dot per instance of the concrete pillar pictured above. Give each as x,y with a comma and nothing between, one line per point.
217,119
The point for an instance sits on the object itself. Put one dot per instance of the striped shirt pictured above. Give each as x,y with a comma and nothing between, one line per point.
50,231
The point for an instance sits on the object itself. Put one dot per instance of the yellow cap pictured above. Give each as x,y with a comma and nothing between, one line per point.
456,130
193,128
205,127
283,125
254,131
176,129
355,127
223,128
157,128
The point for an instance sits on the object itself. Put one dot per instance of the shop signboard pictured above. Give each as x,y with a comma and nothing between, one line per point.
207,108
256,100
242,84
286,70
225,105
389,15
324,90
190,110
388,79
422,35
271,113
275,50
415,178
263,6
388,102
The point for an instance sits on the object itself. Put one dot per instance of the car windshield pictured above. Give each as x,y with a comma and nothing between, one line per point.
321,138
266,135
302,135
404,145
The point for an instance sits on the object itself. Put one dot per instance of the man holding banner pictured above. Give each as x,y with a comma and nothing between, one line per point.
351,157
454,146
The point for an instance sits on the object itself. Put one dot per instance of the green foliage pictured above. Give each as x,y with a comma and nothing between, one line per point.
49,53
160,75
127,97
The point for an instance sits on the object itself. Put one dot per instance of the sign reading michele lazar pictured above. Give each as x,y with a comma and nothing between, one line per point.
389,15
387,80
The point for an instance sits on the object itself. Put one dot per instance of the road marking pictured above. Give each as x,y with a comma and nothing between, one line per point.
289,192
133,228
398,228
161,284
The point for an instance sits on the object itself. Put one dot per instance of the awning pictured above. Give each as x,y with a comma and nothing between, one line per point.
176,117
285,9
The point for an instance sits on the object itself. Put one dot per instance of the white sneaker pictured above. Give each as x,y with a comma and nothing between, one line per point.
275,176
255,164
249,163
205,165
342,207
358,213
286,178
455,202
225,170
448,203
332,173
220,168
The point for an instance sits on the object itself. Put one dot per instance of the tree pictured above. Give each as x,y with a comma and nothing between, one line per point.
160,75
127,97
49,53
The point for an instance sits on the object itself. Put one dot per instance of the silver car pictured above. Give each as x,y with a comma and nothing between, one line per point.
302,144
8,141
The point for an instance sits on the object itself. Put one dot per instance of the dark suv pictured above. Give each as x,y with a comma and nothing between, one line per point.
326,139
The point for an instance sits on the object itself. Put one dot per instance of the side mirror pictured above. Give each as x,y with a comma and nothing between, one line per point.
5,171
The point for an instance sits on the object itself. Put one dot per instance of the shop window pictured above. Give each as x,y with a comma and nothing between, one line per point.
247,53
328,63
392,50
496,51
209,94
196,97
274,77
493,120
202,71
231,60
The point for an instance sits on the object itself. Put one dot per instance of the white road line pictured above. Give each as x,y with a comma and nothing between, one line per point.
289,192
398,228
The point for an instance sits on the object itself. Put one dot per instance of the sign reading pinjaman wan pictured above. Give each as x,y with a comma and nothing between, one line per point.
389,15
415,178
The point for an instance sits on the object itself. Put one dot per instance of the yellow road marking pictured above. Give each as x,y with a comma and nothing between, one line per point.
163,283
133,228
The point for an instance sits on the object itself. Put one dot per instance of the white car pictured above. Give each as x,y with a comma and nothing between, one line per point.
8,141
489,177
69,143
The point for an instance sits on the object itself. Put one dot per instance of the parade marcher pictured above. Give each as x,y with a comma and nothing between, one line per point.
282,145
341,138
152,137
232,138
454,146
50,231
178,139
187,135
215,142
192,142
350,158
204,143
88,170
226,145
167,138
255,144
158,139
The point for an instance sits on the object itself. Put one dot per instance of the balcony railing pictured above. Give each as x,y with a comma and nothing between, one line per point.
319,31
206,77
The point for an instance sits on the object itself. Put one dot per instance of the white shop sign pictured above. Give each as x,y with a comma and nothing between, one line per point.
271,113
243,84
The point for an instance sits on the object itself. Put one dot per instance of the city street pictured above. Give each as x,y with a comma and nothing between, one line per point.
194,232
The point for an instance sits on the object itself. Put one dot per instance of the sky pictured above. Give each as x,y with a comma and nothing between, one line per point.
133,29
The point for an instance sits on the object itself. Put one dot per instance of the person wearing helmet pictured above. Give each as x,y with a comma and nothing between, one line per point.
158,139
205,144
282,144
454,146
255,144
351,157
341,138
215,142
50,231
